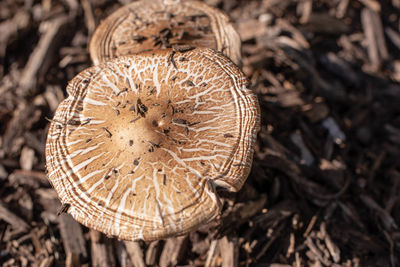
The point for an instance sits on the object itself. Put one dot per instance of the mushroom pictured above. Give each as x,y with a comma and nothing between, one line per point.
140,144
148,25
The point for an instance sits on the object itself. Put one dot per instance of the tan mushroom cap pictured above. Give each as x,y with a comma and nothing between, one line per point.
148,25
140,143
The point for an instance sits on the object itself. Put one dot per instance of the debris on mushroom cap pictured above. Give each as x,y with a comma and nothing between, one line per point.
139,145
148,25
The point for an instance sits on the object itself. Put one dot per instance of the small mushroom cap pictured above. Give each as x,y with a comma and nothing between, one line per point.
148,25
141,142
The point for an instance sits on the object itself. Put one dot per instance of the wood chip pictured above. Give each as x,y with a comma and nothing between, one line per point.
385,218
305,155
341,68
334,130
332,247
153,252
102,253
27,158
372,25
135,253
271,240
316,252
325,24
37,59
229,252
23,117
11,218
342,8
372,5
394,36
122,255
3,173
33,179
89,18
304,9
173,251
212,255
72,238
47,262
250,29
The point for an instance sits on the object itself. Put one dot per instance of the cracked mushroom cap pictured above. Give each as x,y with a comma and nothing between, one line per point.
148,25
141,142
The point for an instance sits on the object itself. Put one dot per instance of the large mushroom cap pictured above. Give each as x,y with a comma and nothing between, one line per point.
141,141
148,25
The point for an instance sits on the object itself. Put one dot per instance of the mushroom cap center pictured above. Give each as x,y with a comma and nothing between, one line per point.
135,133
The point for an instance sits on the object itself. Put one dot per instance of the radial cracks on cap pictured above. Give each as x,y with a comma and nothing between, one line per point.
141,26
144,165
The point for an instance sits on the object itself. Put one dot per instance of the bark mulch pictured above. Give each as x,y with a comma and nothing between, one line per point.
325,184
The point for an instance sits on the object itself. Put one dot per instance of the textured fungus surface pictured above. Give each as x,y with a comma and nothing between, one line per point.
136,149
148,25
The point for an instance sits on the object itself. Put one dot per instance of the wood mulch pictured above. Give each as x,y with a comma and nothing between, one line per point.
325,184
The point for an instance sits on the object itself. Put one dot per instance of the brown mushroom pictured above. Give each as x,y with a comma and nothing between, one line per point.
148,25
139,145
